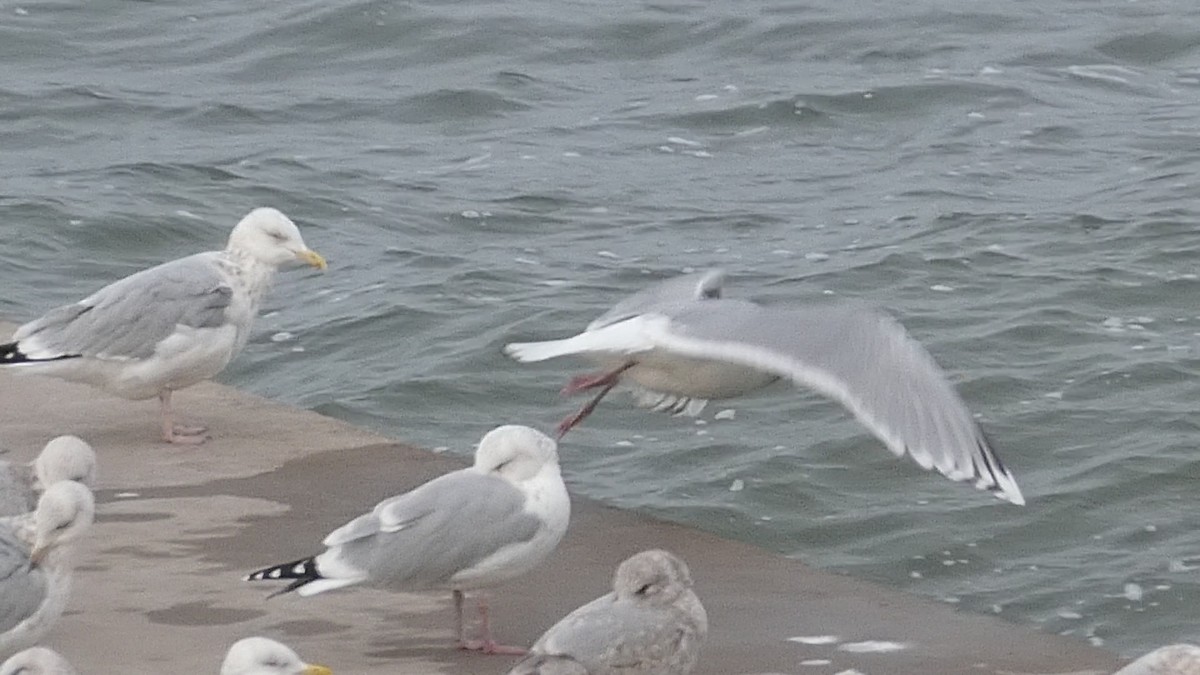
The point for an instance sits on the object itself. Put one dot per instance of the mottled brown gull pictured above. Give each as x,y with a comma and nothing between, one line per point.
651,623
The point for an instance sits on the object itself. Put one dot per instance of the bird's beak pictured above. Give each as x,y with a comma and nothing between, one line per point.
313,669
39,553
312,258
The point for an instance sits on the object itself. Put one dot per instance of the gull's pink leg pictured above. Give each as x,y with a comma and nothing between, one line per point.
487,645
607,380
171,433
570,422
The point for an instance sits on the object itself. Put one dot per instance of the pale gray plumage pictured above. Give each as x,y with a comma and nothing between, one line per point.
652,623
22,585
426,542
37,661
63,458
682,344
16,489
1180,659
114,323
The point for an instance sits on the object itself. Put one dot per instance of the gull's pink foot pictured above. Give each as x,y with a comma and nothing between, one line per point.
491,647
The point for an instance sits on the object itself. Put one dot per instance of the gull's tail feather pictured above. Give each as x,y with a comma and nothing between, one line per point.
11,354
301,572
539,351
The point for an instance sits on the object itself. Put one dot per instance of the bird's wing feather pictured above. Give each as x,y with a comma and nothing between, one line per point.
858,357
130,317
22,587
428,535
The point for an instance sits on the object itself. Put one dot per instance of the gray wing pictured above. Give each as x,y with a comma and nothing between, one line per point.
22,587
447,525
608,635
705,285
862,359
16,489
128,318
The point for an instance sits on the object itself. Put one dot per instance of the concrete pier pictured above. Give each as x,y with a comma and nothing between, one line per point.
158,586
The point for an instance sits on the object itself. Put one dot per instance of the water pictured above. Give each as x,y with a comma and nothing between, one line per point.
1014,180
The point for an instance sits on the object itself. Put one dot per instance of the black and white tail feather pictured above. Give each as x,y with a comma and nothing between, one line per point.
11,354
301,572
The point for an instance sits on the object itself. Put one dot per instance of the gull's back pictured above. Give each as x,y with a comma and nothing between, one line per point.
681,289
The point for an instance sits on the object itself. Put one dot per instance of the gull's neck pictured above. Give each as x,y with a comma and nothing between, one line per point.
254,275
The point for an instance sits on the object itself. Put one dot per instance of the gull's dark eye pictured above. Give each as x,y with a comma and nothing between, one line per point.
503,464
644,589
277,235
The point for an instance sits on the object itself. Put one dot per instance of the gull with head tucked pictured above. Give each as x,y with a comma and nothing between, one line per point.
167,327
263,656
469,529
682,343
650,624
63,458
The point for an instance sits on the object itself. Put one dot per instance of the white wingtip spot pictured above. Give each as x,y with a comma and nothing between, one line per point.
275,574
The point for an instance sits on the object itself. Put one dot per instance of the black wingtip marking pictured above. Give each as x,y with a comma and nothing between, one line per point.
11,353
301,572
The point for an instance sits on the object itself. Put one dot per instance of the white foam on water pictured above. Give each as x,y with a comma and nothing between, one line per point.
873,647
815,639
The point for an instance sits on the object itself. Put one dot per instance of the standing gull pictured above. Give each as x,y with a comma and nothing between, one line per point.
650,624
1181,659
37,661
469,529
262,656
63,458
168,327
682,344
36,579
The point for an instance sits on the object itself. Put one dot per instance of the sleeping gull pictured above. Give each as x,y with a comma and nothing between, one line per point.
35,564
63,458
650,624
167,327
262,656
469,529
682,343
1181,659
37,661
